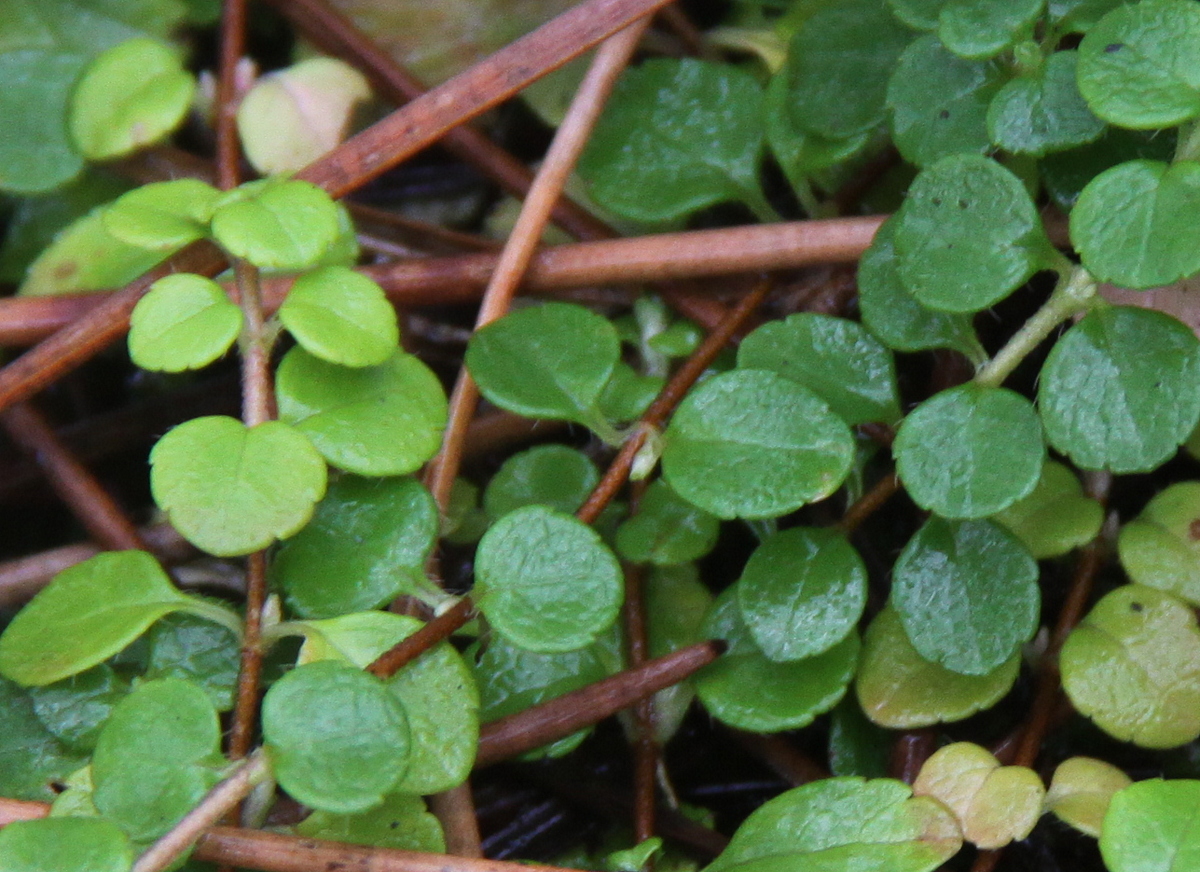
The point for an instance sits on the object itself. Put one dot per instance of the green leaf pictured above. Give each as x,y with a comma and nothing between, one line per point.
174,729
130,96
676,604
746,690
1133,666
844,823
1118,390
63,843
802,591
939,102
677,135
276,223
375,420
838,66
1151,827
436,691
799,152
546,475
163,216
341,317
1160,548
666,530
970,451
86,257
1066,173
636,858
1044,111
512,679
366,544
918,14
43,49
980,29
968,235
184,322
546,581
1139,66
857,746
75,709
1153,242
204,653
400,822
1082,790
88,613
893,314
1056,517
547,361
753,444
994,804
899,689
628,394
31,757
835,358
324,758
1079,16
231,489
967,594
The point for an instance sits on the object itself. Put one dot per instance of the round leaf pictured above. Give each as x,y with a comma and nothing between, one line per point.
546,581
677,135
547,475
1151,827
967,235
232,490
1154,242
163,216
984,28
184,322
1056,517
130,96
1044,111
899,689
276,224
1081,791
437,692
547,361
58,843
666,530
746,690
1161,548
341,316
75,708
174,729
401,821
994,804
844,823
31,757
939,102
1133,667
800,152
366,544
753,444
894,315
970,451
835,358
204,653
802,591
88,613
967,594
1140,66
376,420
324,758
1118,391
1067,173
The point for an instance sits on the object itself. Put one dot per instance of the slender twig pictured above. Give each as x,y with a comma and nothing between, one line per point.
909,753
513,262
95,508
233,46
869,503
783,758
550,721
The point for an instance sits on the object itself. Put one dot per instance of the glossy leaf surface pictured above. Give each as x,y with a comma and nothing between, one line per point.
545,475
802,591
1133,667
753,444
206,654
1118,390
75,708
899,689
546,581
374,420
1043,112
232,490
31,757
983,28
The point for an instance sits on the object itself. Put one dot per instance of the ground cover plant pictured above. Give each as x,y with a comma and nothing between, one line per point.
856,481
